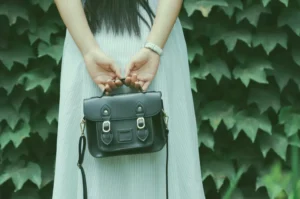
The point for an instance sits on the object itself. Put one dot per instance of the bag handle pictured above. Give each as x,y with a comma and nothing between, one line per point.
123,81
82,146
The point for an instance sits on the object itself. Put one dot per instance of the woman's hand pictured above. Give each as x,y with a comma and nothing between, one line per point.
102,70
142,69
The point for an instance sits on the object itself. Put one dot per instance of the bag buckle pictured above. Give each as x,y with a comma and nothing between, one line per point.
106,126
140,123
166,118
82,127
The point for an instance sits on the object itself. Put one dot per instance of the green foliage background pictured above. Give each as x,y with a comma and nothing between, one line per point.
245,73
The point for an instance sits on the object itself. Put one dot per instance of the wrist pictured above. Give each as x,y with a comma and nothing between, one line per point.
92,46
153,47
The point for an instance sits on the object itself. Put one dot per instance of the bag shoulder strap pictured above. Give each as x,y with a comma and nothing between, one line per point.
82,147
81,150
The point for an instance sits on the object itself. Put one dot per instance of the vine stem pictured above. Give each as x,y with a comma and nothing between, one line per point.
295,163
233,184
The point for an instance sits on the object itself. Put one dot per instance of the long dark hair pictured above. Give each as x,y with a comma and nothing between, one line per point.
117,15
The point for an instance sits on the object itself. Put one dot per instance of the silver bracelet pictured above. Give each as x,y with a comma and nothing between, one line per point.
155,48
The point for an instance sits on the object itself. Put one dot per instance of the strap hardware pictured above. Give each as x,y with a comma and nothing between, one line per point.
166,118
140,123
106,126
82,126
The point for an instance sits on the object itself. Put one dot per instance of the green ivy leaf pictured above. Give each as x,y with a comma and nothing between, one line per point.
24,112
296,55
52,114
194,74
253,69
236,194
186,22
250,121
217,68
26,193
294,140
289,17
18,96
41,76
209,27
276,141
17,52
9,114
12,11
249,156
264,98
285,2
275,180
4,34
43,32
20,173
23,26
290,118
47,170
44,4
13,154
232,5
43,128
193,84
219,169
205,136
194,49
243,54
8,80
283,74
266,2
252,14
192,5
16,136
231,37
269,39
216,111
54,51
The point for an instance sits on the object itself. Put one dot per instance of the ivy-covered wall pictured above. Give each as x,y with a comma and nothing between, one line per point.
245,73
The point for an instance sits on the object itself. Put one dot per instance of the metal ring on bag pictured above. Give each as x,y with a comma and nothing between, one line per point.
104,125
140,120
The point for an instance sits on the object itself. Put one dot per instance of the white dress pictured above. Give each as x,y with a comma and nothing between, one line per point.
135,176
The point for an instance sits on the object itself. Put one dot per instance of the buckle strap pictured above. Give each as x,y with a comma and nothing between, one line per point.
81,150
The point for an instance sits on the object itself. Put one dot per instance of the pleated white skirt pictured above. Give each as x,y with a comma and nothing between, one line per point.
135,176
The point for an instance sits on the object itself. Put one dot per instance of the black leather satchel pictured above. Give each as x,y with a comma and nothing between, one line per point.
123,124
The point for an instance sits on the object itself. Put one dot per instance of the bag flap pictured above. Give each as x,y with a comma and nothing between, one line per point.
122,106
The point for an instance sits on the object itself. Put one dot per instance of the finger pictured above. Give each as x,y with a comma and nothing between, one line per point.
144,78
111,84
141,84
128,81
146,85
138,85
133,80
103,80
129,68
101,86
107,88
118,83
116,69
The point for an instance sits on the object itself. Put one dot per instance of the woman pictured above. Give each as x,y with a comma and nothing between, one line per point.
105,42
